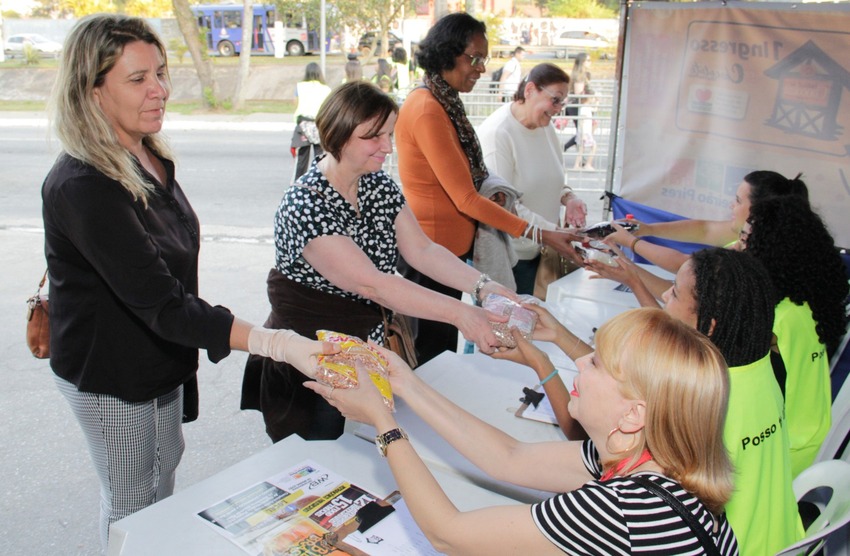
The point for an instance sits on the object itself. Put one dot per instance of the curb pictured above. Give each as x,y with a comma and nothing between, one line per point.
253,122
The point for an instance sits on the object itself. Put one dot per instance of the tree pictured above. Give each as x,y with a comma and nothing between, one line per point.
148,8
377,15
244,55
580,9
189,29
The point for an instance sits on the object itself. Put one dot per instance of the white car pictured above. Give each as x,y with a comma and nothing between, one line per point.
580,39
45,47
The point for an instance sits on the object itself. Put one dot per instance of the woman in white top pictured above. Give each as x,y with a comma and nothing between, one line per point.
519,144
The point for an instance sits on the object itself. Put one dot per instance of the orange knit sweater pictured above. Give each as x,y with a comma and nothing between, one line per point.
436,179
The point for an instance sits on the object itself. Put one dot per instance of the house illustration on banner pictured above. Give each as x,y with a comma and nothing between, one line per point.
809,93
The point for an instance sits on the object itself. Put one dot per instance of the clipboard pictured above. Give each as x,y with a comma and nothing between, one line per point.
542,413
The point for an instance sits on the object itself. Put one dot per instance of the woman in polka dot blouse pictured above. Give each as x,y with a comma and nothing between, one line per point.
338,233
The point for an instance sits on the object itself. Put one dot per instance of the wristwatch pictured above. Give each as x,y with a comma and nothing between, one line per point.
384,440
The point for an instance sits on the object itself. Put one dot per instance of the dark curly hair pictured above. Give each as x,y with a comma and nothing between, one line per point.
447,40
734,293
795,246
767,183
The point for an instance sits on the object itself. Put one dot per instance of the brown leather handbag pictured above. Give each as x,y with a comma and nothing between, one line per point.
38,323
398,337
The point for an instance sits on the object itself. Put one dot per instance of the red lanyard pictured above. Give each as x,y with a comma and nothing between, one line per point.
620,468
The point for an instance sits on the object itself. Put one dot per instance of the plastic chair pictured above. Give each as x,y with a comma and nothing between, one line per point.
831,475
839,366
835,445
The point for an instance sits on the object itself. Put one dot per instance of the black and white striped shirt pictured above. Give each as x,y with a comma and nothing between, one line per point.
618,516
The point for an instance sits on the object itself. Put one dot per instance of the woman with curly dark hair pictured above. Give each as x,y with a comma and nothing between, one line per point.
756,186
810,284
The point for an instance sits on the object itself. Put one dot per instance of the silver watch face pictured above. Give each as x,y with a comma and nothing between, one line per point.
381,446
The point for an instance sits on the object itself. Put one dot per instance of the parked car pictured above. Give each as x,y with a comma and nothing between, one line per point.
580,39
365,45
45,47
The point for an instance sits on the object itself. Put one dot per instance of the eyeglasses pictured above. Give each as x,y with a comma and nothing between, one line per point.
477,60
556,100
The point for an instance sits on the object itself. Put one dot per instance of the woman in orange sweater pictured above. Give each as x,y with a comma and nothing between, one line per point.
441,165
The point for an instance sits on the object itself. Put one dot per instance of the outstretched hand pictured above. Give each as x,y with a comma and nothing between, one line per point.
525,353
363,403
625,271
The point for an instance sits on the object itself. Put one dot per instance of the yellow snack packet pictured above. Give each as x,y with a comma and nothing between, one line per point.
339,370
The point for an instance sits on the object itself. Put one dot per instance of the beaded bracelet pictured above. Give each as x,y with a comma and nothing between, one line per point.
479,285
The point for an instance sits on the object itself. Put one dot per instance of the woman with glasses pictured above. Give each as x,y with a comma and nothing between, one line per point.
519,144
441,164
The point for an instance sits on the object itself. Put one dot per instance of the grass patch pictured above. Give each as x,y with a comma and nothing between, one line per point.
194,107
23,105
20,62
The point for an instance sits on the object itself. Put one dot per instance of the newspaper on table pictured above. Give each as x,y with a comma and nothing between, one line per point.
290,513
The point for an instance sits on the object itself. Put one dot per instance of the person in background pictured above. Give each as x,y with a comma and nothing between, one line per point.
309,93
122,244
584,131
653,399
353,69
384,76
338,233
441,165
401,68
519,144
511,74
810,284
726,295
579,82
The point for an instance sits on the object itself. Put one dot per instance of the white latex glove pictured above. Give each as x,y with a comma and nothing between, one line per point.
270,343
287,346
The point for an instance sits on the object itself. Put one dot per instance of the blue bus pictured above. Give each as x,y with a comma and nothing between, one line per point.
222,24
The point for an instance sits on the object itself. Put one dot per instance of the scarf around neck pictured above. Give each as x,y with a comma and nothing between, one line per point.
449,99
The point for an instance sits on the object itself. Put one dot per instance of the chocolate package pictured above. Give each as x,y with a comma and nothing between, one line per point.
339,369
524,320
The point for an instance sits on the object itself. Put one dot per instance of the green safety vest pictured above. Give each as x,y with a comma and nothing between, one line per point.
763,509
808,393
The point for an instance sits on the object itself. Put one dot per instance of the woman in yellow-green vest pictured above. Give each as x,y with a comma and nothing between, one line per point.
810,280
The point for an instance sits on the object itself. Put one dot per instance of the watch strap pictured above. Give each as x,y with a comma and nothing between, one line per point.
382,441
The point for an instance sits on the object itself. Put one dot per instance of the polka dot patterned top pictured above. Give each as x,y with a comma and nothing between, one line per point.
313,208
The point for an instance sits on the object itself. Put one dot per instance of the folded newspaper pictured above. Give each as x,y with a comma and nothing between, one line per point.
293,513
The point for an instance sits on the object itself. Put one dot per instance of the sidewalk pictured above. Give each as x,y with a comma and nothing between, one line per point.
50,492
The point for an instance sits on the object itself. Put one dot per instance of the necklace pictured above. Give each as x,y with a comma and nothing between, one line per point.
620,468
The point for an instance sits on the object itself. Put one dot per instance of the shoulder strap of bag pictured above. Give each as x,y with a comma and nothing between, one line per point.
41,283
668,497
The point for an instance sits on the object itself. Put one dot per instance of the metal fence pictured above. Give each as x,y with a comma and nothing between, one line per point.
589,184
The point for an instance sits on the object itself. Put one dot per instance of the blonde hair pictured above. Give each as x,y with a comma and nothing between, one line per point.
91,50
684,381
